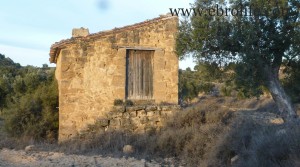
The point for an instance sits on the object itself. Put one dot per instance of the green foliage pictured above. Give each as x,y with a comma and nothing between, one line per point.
118,102
6,63
208,72
241,95
29,100
248,80
257,43
226,90
188,85
291,81
202,79
8,70
206,87
183,43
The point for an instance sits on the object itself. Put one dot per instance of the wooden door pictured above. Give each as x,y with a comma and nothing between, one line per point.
139,74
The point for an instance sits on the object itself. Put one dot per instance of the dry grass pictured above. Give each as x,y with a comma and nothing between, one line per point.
188,136
258,145
209,133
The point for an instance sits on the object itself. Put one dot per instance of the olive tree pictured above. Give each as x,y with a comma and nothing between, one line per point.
256,34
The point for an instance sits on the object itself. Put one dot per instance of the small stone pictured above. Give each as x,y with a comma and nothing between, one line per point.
234,159
30,148
277,121
128,149
281,132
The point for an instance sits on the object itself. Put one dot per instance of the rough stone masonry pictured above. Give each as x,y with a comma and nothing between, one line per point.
136,63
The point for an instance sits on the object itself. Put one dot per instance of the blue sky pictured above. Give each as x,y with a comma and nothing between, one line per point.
29,27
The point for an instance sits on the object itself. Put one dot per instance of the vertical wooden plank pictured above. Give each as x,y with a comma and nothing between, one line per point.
151,74
145,75
140,74
135,74
147,78
131,74
127,75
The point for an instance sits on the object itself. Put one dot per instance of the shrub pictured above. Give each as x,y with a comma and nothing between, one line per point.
129,103
188,136
241,95
258,145
206,134
34,113
118,102
226,90
206,87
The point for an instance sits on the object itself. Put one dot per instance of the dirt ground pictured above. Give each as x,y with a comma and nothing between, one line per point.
22,158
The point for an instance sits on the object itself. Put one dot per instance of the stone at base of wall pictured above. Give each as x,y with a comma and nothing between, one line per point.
139,119
135,119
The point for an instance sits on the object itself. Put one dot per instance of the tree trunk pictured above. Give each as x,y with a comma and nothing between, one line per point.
281,99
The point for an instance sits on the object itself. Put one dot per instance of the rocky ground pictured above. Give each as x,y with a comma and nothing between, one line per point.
33,158
37,158
22,158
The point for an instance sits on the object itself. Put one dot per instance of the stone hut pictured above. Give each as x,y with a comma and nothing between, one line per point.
136,62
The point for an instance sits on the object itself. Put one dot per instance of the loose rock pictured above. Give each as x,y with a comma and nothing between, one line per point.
128,149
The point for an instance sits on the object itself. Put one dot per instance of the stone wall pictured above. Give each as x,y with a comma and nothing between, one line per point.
91,70
136,119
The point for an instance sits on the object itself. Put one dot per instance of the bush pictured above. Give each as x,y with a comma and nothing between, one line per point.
206,134
118,102
291,80
129,103
241,95
258,145
226,91
206,87
188,136
32,112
